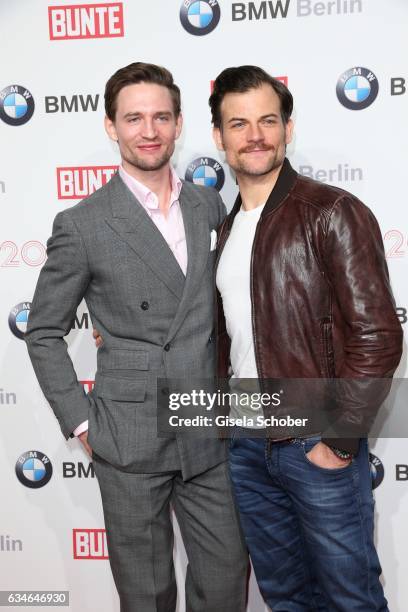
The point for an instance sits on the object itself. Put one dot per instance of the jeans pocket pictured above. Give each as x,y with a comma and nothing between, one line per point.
308,444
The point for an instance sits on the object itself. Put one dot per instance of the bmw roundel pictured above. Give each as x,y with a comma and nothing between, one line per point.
207,172
357,88
33,469
18,319
377,471
16,105
200,17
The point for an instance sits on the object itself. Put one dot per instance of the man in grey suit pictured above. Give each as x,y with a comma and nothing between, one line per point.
138,251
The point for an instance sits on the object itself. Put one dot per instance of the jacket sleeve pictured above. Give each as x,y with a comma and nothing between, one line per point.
357,272
61,286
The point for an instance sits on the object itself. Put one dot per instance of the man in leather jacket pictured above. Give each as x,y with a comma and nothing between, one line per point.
303,293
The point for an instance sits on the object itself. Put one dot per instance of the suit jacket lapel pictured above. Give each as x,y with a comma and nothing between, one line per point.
195,218
132,223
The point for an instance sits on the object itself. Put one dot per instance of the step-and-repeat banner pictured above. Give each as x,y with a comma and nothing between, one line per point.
345,63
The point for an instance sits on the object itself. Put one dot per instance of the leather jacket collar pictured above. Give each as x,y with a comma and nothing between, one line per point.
286,180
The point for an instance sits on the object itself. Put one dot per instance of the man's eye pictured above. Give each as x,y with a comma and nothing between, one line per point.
237,125
133,119
270,121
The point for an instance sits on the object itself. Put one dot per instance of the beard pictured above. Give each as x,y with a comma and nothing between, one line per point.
143,163
246,167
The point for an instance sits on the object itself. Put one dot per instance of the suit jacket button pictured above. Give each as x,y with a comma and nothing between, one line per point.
167,347
144,305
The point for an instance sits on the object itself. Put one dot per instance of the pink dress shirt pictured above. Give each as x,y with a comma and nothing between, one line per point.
171,226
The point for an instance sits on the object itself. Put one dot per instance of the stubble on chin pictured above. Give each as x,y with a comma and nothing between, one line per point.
140,163
247,169
146,165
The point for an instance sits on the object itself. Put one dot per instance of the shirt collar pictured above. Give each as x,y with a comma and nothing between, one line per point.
144,195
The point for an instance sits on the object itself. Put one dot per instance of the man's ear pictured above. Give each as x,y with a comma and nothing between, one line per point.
110,129
288,131
217,136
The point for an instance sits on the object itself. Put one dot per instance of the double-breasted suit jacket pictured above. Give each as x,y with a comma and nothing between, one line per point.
155,322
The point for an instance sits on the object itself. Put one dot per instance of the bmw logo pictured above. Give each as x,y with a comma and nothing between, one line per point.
33,469
16,105
18,319
357,88
200,17
206,171
377,470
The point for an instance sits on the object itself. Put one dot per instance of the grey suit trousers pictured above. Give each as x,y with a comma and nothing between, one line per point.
137,509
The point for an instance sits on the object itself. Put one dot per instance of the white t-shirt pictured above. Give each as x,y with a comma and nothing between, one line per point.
233,283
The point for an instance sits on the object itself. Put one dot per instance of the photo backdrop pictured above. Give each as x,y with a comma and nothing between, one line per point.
345,63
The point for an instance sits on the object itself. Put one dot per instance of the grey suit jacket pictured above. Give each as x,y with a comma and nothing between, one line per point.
155,322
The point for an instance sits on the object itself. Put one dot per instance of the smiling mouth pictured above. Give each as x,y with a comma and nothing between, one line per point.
258,150
148,148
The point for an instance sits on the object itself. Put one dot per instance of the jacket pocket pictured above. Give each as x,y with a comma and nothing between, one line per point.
120,389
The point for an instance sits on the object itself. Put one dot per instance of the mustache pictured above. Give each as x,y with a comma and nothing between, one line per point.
257,147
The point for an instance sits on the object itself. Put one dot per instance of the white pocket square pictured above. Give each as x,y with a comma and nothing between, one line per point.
213,240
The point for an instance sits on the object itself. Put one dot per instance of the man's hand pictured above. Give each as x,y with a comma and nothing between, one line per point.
84,439
98,338
323,456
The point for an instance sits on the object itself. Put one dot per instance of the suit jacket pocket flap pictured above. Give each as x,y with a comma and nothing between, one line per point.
120,389
122,359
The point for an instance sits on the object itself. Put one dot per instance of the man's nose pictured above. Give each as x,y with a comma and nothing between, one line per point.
254,133
149,129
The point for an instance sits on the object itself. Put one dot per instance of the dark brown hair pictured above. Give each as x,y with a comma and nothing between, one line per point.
241,79
140,72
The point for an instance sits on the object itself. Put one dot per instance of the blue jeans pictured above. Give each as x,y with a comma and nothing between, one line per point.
309,530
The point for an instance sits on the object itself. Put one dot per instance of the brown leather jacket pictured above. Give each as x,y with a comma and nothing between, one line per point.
320,291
